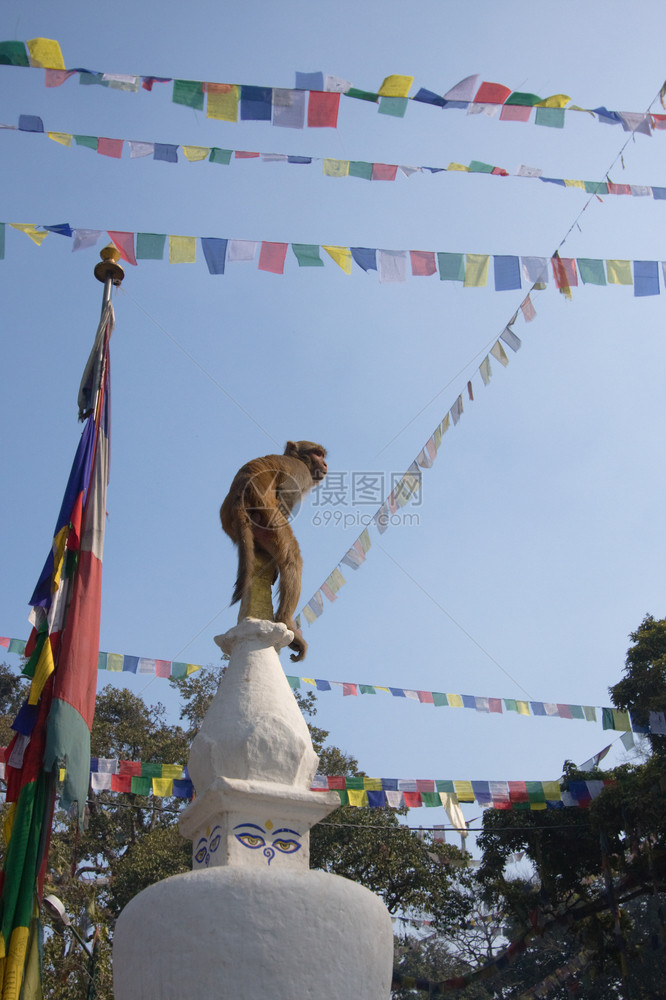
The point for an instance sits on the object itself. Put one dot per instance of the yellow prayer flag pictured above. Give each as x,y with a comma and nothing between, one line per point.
476,270
455,700
194,153
182,249
309,680
30,230
464,791
310,616
619,272
457,166
9,822
357,797
172,770
536,806
43,670
385,690
372,784
222,101
445,424
522,708
499,353
552,790
114,661
163,787
192,667
621,721
341,256
335,168
61,774
396,86
64,138
555,101
574,184
45,52
336,580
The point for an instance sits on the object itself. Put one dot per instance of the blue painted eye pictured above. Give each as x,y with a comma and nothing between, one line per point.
215,843
287,846
200,856
250,840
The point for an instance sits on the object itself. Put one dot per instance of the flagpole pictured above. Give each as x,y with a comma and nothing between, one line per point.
109,271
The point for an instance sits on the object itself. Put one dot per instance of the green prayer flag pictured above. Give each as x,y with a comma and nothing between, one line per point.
607,719
478,167
395,106
621,721
431,799
188,92
359,168
577,710
150,246
510,705
362,95
86,140
590,713
13,54
307,254
101,660
178,670
451,266
294,682
591,271
438,698
16,645
354,783
366,689
535,792
220,156
525,99
596,187
151,770
445,786
344,798
551,117
142,786
2,241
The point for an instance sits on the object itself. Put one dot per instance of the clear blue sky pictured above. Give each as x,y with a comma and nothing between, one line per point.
540,540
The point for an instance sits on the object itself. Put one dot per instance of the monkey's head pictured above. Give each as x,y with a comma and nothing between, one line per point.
311,454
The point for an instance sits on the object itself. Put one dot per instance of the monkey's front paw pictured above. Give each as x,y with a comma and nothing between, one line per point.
301,646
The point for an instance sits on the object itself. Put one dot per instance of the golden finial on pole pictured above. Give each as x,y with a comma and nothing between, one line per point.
108,271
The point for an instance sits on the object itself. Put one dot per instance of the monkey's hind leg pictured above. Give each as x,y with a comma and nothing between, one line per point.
257,602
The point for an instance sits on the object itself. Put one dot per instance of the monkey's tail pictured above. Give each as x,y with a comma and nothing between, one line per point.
245,556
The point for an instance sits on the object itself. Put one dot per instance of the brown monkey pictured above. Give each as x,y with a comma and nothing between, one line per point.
256,514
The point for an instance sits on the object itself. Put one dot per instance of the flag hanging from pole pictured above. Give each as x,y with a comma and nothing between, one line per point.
52,728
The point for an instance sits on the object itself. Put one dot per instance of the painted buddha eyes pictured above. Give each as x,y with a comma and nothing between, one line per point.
207,845
254,837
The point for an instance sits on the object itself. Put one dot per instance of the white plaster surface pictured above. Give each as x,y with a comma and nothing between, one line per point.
242,934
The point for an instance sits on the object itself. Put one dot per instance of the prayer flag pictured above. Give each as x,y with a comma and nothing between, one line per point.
365,257
476,270
45,52
451,266
394,106
165,151
510,338
335,168
64,138
214,252
323,109
189,93
222,103
342,256
564,272
288,108
13,54
396,86
515,112
125,243
535,270
359,168
309,81
220,156
549,117
256,103
392,265
110,147
195,153
150,246
241,250
307,254
182,249
30,230
141,149
89,141
485,370
499,353
527,309
507,273
425,96
384,171
30,123
463,92
646,277
619,272
84,238
271,257
591,271
491,93
555,101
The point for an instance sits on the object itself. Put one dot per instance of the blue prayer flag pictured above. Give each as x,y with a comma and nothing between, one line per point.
256,103
130,664
215,252
376,799
428,97
507,273
365,258
646,277
165,151
64,229
323,685
30,123
309,81
469,701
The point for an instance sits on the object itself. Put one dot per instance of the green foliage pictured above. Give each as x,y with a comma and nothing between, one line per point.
643,687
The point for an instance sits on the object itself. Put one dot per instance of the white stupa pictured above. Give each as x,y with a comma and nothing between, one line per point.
251,919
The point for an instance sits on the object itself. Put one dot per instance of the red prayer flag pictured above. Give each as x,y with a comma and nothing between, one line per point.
242,154
500,172
384,171
125,243
129,768
495,704
121,782
564,272
336,783
491,93
163,668
349,688
425,785
110,147
518,791
423,262
272,257
426,697
413,799
564,711
515,113
618,188
323,109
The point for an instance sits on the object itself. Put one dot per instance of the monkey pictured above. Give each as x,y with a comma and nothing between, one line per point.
255,514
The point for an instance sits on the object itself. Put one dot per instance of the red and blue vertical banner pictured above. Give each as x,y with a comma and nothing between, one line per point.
52,728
